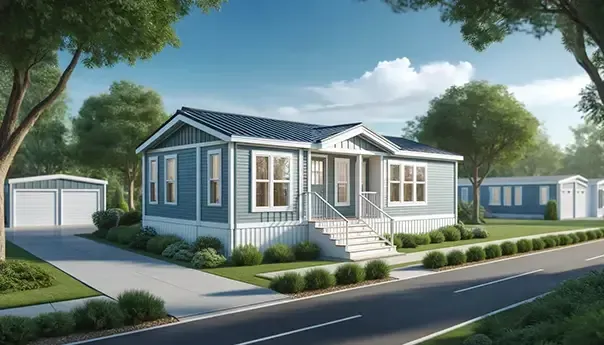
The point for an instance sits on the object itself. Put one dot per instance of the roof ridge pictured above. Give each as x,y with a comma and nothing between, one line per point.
244,115
340,125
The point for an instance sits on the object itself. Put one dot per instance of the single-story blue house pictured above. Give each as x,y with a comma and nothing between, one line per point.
595,199
261,181
526,196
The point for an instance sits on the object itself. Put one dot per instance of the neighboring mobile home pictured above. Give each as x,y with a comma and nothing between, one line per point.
595,197
261,181
526,196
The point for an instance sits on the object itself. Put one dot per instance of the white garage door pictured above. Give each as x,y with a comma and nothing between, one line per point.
566,203
78,206
35,208
580,202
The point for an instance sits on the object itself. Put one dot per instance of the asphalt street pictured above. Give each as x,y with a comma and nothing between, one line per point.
389,314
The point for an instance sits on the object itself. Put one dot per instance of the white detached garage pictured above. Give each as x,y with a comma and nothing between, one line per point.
53,200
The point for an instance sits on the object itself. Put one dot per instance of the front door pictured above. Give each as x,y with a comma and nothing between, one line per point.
318,176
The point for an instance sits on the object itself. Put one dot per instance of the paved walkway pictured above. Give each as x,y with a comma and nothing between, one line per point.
111,270
417,256
35,310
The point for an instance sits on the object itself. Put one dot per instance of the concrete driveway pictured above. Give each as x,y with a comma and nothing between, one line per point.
110,270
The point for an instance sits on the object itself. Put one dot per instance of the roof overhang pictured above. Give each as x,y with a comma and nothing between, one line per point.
56,177
576,178
370,135
429,155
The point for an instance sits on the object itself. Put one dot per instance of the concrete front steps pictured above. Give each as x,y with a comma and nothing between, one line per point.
363,242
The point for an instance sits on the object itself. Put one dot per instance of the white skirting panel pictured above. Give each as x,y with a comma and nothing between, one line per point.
418,226
189,231
265,236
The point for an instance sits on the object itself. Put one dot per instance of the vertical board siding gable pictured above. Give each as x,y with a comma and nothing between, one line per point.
357,143
185,135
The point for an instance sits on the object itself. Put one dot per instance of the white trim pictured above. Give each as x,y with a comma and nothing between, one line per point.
492,201
309,183
402,165
336,182
149,160
350,152
55,177
143,184
179,221
426,217
359,184
209,154
13,203
428,155
271,155
301,181
575,178
241,226
188,146
518,181
456,191
105,198
507,191
517,193
98,199
10,206
232,223
360,130
198,183
175,182
177,120
270,142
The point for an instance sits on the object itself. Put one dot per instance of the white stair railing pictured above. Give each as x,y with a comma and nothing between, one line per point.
317,209
375,218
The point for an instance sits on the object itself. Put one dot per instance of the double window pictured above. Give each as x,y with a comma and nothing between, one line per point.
407,183
271,181
170,172
214,177
153,180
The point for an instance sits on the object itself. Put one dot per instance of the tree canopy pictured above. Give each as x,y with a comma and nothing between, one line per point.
585,155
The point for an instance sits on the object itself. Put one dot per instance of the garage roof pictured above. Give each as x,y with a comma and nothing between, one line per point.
56,177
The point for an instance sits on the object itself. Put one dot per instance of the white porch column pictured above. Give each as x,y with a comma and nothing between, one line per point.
456,191
359,183
308,187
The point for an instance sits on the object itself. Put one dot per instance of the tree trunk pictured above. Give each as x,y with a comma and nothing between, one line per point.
475,198
131,206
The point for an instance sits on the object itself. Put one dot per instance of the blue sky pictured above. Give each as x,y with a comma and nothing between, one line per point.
340,61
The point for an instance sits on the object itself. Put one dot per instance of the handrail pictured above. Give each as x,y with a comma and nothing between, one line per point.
382,212
330,207
377,207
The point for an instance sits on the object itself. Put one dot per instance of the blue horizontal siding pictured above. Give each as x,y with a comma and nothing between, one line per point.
530,199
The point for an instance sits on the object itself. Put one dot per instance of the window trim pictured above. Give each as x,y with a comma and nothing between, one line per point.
209,154
541,201
402,183
149,181
271,199
507,190
336,182
517,193
465,194
175,182
491,196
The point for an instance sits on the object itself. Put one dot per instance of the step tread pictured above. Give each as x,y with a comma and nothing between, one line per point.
385,248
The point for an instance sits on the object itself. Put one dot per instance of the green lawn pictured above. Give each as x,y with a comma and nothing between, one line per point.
500,229
65,288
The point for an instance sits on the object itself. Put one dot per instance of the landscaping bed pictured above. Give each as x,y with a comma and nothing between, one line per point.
340,287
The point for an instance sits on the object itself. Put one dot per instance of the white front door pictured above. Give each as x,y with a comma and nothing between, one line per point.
566,203
35,208
580,202
78,206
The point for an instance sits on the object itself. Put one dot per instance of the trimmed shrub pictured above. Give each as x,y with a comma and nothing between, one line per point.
480,233
407,240
492,251
97,315
130,218
100,233
118,201
434,260
451,233
112,234
475,253
564,240
139,306
598,233
17,330
436,236
581,235
377,269
205,242
279,253
127,234
158,244
349,274
22,276
184,255
247,255
291,282
591,235
319,278
524,245
538,244
574,238
421,239
477,339
143,236
456,257
307,251
175,248
508,248
106,219
551,210
208,258
55,324
466,234
601,230
550,241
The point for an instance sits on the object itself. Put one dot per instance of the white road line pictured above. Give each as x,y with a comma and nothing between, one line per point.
498,281
300,330
595,257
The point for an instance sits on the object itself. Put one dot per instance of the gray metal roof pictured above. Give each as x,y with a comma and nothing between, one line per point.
410,145
511,180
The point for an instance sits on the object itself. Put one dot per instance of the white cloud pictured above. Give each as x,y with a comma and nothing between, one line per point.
551,91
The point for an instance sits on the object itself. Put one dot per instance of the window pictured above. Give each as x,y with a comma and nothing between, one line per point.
153,180
464,194
495,196
170,172
543,195
407,183
518,196
507,196
271,181
342,181
214,175
316,173
600,198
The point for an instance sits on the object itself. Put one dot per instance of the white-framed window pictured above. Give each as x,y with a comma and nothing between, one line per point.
600,198
465,191
342,181
407,183
153,170
543,195
507,196
170,178
271,181
317,171
214,177
495,196
518,196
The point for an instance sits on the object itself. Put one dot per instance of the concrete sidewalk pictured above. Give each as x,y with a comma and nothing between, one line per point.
35,310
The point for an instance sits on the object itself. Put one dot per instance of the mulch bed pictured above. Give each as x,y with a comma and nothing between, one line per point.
85,336
338,288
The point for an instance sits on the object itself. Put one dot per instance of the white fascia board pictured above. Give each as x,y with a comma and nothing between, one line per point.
56,177
270,142
360,130
576,178
428,155
177,120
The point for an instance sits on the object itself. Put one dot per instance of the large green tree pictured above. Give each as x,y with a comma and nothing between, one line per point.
110,126
482,122
585,155
96,33
484,22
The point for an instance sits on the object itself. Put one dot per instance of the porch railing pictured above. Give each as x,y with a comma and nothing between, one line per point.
376,218
317,209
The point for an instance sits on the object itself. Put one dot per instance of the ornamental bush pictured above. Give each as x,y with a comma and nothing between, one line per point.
106,219
140,306
205,242
127,234
591,235
349,274
480,233
551,210
184,255
55,324
290,282
475,253
436,236
407,240
538,244
318,279
208,258
477,339
456,257
574,238
524,245
434,260
158,244
451,233
17,330
550,241
246,255
175,248
466,234
143,236
508,248
97,315
377,269
421,239
279,253
564,240
130,218
307,251
492,251
581,235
